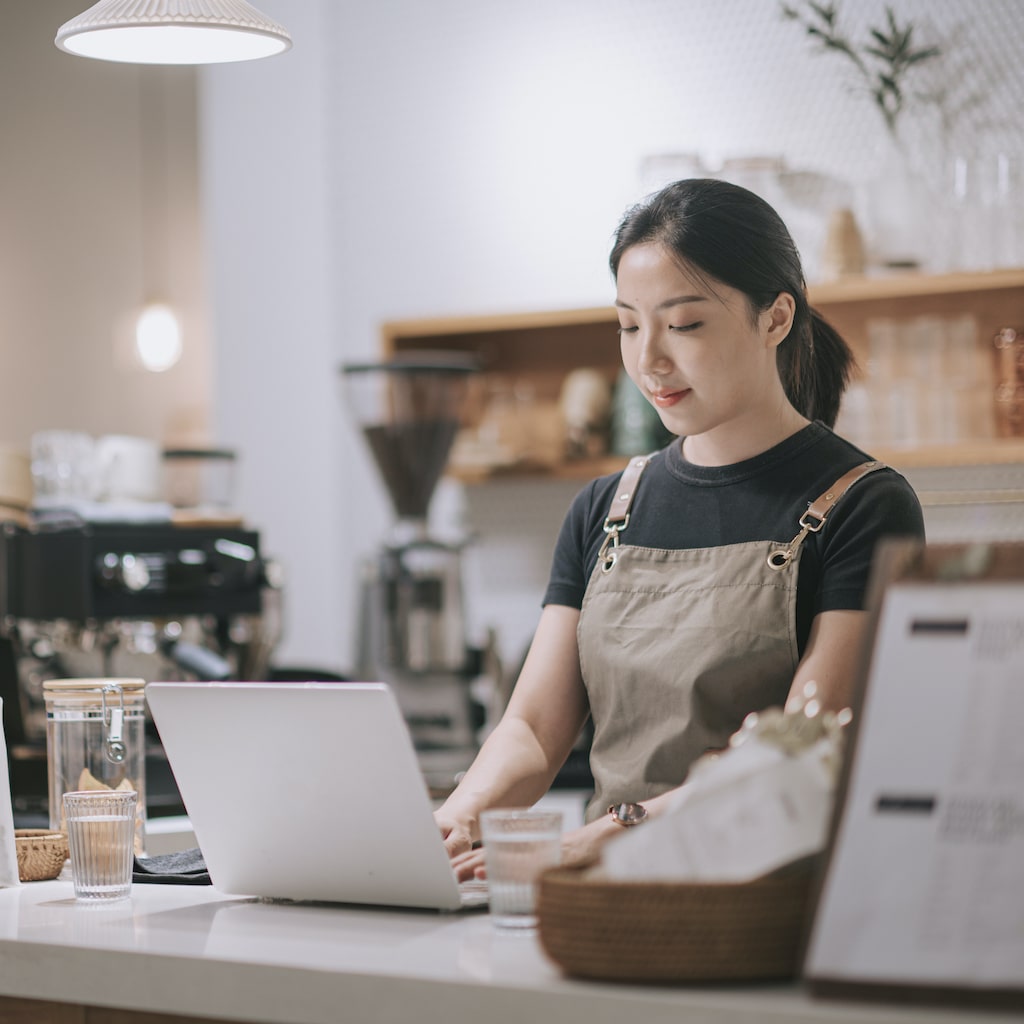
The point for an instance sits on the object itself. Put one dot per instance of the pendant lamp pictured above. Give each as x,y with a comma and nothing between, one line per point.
173,32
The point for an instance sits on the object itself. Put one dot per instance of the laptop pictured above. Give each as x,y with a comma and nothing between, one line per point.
306,791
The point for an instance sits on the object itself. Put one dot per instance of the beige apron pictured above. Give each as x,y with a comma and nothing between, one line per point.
677,647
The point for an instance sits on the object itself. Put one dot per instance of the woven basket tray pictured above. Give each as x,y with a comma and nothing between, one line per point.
41,853
666,932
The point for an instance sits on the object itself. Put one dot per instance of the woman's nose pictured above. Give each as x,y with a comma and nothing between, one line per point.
652,356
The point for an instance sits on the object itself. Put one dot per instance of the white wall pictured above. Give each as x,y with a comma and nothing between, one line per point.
267,184
460,156
98,211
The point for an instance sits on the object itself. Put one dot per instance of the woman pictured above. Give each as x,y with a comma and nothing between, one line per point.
725,590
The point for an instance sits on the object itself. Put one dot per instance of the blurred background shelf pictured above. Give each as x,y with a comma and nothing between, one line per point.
529,354
994,452
910,286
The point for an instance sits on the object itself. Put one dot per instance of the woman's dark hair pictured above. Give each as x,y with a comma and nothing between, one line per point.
731,235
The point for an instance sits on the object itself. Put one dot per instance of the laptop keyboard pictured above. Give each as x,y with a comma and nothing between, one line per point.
473,892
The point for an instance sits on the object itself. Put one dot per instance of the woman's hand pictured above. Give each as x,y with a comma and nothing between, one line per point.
469,864
580,847
456,833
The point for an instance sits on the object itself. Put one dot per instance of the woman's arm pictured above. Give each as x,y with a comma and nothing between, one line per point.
831,659
519,760
548,707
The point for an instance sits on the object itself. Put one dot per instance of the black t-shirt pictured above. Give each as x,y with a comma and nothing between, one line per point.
680,505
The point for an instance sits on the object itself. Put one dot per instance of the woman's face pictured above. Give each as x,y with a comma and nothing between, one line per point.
697,354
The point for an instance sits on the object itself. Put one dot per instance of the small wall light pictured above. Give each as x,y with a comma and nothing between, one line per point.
158,337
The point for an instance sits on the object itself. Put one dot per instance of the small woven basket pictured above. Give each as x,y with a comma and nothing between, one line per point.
667,932
41,853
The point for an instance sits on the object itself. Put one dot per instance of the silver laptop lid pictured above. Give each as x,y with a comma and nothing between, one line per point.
305,791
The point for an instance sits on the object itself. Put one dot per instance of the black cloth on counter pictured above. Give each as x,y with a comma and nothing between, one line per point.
186,867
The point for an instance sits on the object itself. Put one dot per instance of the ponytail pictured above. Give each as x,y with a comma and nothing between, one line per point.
815,364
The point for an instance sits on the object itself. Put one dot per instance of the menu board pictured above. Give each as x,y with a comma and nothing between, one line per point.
923,892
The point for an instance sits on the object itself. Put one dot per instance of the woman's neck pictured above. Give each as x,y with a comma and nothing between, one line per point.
735,442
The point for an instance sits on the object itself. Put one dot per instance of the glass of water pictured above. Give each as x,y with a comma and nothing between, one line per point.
519,844
101,841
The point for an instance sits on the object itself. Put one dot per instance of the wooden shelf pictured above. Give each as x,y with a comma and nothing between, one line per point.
581,470
400,335
535,350
995,452
909,285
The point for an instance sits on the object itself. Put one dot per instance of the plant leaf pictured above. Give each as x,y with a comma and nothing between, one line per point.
891,85
825,11
874,51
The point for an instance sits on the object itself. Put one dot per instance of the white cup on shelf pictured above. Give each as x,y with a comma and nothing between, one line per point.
128,468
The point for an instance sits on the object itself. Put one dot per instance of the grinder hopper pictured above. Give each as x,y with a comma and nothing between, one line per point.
409,410
412,627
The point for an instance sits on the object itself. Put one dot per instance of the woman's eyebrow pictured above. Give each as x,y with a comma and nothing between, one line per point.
679,300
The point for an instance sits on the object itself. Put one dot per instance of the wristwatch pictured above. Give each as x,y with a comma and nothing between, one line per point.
627,815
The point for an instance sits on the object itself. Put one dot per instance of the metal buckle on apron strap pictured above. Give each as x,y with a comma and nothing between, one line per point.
817,512
618,515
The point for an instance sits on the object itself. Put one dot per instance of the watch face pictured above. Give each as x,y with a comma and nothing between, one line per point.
628,814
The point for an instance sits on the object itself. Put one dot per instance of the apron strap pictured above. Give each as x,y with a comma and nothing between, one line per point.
618,514
823,504
817,512
619,511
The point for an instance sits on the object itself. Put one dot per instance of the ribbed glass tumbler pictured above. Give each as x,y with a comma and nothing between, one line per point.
101,840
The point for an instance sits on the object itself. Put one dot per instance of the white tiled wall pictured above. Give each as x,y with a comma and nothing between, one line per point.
465,156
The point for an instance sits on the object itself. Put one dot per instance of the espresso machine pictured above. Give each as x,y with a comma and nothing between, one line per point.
146,600
411,628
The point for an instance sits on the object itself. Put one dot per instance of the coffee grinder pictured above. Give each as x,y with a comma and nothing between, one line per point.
411,622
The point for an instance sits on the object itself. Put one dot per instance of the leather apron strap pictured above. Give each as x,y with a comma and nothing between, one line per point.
818,511
618,514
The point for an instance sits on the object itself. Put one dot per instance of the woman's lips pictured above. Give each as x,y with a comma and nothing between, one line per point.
666,399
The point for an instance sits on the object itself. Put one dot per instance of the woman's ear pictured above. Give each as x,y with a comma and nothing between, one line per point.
777,319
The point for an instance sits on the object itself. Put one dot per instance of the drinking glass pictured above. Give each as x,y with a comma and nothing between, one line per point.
519,844
101,840
63,466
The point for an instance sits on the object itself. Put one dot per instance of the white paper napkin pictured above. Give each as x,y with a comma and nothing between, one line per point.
753,809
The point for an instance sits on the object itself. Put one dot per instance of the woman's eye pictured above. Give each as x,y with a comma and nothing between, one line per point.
623,329
686,327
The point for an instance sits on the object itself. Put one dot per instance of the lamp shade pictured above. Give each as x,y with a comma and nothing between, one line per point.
172,32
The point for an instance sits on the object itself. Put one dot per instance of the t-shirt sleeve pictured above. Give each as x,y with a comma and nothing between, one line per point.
568,580
882,505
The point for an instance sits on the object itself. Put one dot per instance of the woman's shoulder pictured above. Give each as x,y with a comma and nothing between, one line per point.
881,502
830,457
592,503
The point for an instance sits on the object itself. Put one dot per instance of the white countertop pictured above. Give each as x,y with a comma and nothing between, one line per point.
191,950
